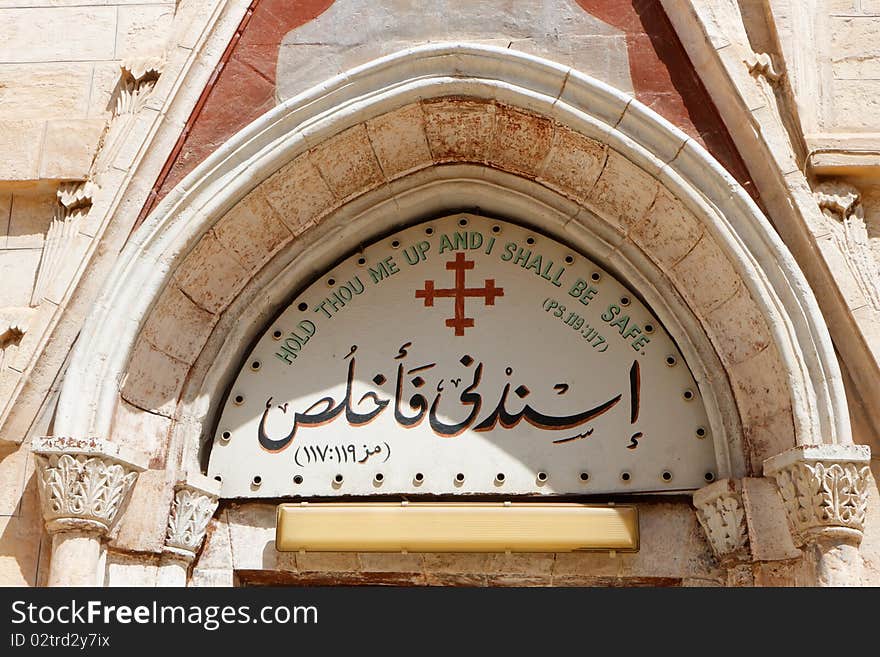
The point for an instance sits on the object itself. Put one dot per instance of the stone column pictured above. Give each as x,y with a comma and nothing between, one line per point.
722,515
84,485
195,501
825,492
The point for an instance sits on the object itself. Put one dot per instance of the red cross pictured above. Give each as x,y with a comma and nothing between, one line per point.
460,292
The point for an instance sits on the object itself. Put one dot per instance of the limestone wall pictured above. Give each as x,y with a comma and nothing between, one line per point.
88,92
61,75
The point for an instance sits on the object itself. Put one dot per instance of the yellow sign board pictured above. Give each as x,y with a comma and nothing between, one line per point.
455,527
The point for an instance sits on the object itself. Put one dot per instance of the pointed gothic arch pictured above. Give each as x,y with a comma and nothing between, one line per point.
513,134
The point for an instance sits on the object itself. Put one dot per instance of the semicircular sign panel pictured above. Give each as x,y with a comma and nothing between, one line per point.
464,355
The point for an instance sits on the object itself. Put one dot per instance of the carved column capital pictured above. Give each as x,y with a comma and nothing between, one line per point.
84,483
824,489
722,515
194,503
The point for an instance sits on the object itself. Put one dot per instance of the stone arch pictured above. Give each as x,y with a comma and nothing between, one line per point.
431,130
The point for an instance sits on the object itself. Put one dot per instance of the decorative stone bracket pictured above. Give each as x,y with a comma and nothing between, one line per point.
195,501
139,76
722,515
824,489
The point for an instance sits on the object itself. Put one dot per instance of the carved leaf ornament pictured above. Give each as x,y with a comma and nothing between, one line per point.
190,513
84,487
819,494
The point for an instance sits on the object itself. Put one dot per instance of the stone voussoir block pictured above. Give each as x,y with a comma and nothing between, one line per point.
705,276
347,162
623,192
299,194
458,129
211,275
154,379
573,164
399,141
737,328
252,231
177,326
668,231
521,141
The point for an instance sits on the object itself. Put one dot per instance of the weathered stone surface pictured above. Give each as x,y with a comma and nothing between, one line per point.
668,231
154,379
623,192
129,570
252,536
705,276
347,163
31,214
574,163
22,537
391,562
299,194
76,249
177,326
15,471
217,550
252,231
845,281
459,129
69,147
142,527
870,547
211,275
761,392
140,28
399,141
769,536
455,563
327,562
38,317
521,142
20,144
44,90
8,381
18,270
213,577
147,432
853,40
535,564
856,104
738,328
88,34
101,98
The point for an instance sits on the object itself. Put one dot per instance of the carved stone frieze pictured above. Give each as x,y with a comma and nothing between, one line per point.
83,484
824,489
841,204
722,515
